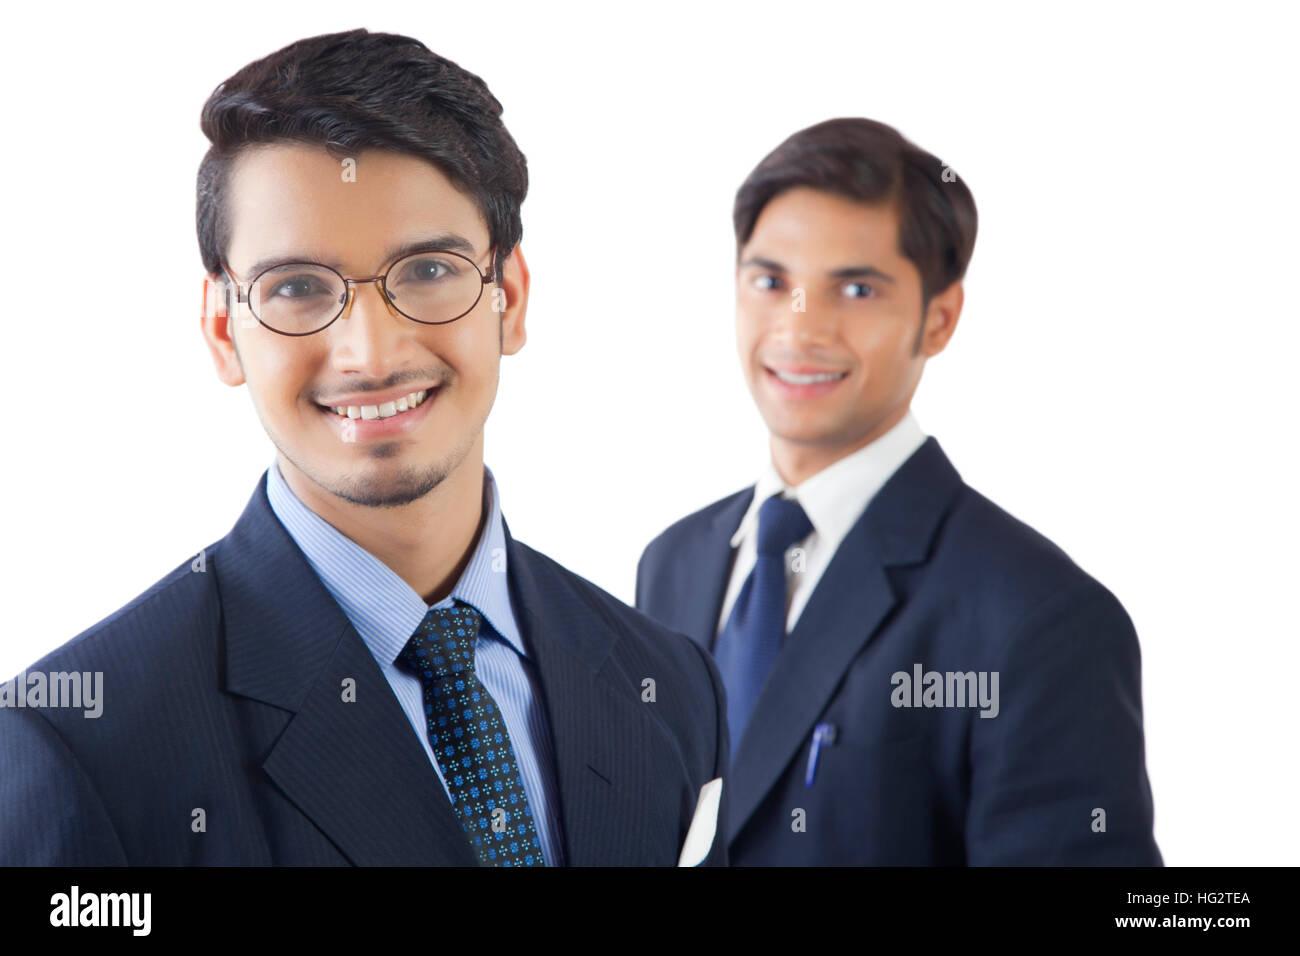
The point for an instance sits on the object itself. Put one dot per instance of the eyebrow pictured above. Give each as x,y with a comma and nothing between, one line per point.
847,272
447,241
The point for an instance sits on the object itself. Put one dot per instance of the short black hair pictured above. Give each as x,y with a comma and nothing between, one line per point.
871,162
353,90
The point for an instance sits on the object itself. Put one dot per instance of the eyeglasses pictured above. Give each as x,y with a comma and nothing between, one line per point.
300,298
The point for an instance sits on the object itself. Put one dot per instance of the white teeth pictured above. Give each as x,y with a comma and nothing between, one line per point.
793,379
386,410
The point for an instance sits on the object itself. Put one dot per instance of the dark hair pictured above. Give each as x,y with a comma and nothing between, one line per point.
349,91
871,162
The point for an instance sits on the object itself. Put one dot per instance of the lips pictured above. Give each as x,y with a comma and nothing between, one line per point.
370,410
806,376
802,382
362,429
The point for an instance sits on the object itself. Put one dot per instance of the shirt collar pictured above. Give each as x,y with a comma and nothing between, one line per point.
836,496
383,608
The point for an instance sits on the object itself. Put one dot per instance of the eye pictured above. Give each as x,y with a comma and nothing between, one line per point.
765,282
427,269
423,270
297,287
859,290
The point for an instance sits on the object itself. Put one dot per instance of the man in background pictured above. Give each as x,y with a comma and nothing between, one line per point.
913,675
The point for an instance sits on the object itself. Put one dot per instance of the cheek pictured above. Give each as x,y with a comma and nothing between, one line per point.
281,375
749,332
882,347
473,354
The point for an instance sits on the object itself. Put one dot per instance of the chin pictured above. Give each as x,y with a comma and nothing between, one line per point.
801,425
798,433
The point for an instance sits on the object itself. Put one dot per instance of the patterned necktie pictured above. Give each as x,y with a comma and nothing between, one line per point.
470,740
751,639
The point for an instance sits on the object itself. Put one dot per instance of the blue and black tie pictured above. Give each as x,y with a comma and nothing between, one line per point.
470,740
751,639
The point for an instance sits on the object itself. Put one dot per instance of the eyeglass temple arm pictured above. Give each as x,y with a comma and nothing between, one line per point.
213,307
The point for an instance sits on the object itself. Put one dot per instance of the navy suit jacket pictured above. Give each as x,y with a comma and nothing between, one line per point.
222,691
932,574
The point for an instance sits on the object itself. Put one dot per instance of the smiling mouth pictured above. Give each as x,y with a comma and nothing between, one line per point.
805,378
392,409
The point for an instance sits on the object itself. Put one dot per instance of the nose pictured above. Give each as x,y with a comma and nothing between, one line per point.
367,335
804,321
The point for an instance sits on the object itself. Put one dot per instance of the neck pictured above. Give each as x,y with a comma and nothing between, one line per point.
427,542
796,462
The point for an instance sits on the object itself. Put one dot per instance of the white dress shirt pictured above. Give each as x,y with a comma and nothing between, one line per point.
834,499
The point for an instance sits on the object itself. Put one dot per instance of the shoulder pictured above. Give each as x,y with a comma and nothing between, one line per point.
640,637
1014,573
690,528
92,719
184,598
643,660
127,670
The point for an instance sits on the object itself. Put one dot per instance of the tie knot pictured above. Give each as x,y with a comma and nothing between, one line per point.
443,645
781,522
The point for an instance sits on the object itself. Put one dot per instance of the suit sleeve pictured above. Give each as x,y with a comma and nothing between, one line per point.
722,760
1059,775
50,813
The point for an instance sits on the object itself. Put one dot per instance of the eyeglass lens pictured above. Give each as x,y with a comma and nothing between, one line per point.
432,287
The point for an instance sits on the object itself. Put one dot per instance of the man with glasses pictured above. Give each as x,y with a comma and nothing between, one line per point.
368,668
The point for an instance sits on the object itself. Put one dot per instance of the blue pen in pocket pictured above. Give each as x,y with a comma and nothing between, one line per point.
823,734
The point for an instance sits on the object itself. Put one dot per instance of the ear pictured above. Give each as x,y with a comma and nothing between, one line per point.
217,330
514,288
941,317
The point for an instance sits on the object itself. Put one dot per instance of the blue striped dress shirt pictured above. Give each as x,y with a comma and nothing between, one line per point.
385,611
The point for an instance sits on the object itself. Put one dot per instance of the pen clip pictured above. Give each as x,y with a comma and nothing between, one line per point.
822,734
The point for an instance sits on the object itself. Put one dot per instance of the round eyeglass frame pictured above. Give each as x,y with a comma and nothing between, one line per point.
243,292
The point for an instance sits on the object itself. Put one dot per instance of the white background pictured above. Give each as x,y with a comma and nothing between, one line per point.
1121,377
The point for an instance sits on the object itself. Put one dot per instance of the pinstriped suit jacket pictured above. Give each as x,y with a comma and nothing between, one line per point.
223,693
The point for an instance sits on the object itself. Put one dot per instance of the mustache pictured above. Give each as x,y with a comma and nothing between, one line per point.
412,382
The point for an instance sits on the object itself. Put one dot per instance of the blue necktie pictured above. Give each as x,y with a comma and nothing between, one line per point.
751,639
470,740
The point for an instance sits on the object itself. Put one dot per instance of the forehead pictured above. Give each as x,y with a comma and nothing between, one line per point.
812,223
298,199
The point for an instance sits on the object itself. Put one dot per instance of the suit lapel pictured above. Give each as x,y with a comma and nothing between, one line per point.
811,664
353,767
852,599
708,571
611,755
